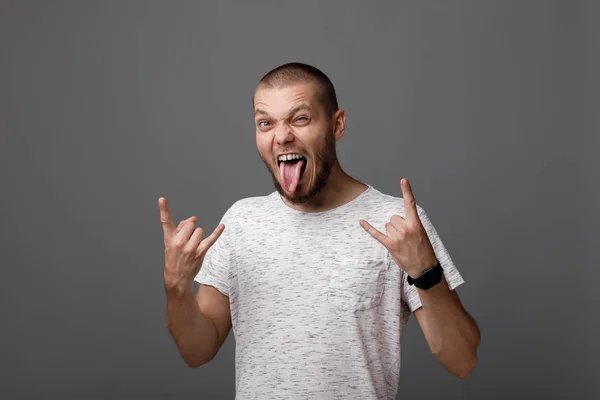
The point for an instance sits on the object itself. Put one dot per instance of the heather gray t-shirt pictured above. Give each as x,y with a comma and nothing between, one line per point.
317,304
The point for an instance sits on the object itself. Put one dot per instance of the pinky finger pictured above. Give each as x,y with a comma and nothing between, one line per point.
380,237
209,241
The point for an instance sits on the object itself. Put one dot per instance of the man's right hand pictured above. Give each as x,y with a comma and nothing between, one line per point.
184,249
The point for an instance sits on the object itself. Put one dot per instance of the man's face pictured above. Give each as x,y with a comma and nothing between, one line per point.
292,121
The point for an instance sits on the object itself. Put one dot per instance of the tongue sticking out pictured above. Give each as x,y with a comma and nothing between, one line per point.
290,174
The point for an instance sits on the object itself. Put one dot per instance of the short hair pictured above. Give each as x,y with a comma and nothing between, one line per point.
296,72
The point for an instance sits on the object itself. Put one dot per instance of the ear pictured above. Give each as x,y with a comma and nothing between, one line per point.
339,124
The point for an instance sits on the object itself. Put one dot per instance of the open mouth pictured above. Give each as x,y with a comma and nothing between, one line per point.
293,162
291,170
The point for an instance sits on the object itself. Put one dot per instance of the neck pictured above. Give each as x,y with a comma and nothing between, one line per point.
341,188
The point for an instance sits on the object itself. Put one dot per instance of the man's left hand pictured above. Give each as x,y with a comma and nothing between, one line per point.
406,238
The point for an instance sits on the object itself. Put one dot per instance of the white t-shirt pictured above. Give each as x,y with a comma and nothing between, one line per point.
317,304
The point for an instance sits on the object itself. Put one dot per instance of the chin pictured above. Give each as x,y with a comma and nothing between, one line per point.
298,197
303,193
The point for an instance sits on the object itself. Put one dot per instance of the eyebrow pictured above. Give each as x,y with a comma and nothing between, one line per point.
293,111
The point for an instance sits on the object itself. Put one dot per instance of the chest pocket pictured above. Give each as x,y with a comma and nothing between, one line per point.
357,283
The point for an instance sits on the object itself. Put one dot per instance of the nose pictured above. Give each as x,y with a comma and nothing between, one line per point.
283,135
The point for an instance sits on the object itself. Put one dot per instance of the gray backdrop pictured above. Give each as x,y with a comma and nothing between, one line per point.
488,107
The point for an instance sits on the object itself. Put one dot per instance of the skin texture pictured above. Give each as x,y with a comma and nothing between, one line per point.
198,324
319,139
291,119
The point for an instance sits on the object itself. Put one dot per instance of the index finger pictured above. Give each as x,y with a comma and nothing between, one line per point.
410,205
165,217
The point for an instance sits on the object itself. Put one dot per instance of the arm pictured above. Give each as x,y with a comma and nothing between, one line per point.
452,334
199,324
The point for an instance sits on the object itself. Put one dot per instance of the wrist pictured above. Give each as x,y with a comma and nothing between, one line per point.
414,274
179,291
428,278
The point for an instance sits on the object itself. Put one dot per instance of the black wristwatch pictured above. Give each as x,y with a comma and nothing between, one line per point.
429,278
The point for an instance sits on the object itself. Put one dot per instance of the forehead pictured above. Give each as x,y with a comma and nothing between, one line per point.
281,99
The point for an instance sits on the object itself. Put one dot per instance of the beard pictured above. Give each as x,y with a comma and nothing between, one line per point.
324,160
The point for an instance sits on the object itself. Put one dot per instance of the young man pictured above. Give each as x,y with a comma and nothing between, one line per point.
319,277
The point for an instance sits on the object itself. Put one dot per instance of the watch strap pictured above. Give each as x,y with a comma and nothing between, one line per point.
428,278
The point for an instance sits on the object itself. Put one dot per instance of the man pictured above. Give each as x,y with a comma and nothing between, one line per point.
318,278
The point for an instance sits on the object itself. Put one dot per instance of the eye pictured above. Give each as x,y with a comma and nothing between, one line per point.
302,118
263,124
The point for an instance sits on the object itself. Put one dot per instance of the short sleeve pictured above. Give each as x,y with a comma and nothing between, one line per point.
410,294
215,270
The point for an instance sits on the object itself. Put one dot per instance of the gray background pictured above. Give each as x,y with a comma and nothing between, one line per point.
487,107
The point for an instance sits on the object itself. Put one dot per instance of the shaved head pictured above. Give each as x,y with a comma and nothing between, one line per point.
295,73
